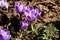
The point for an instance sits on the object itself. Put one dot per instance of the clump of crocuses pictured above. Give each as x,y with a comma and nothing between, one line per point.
3,3
4,34
30,12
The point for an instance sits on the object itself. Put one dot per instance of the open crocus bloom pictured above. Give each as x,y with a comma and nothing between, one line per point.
24,25
3,3
4,34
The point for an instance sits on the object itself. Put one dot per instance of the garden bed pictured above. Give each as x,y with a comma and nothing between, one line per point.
45,27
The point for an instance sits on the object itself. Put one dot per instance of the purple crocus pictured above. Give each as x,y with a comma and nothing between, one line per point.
31,13
28,13
19,7
24,25
3,3
4,34
37,13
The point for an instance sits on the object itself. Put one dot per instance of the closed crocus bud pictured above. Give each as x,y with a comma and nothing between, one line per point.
3,3
38,12
4,34
19,7
26,11
29,13
27,8
24,25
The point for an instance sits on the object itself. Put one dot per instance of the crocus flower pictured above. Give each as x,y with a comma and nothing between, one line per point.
19,7
3,3
37,12
27,8
31,13
28,13
24,25
4,34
